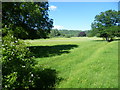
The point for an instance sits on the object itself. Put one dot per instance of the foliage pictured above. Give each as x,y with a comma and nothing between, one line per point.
64,33
19,69
82,34
106,24
26,19
90,33
69,33
17,63
54,33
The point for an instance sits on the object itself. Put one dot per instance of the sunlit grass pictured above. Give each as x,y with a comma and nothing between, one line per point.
80,62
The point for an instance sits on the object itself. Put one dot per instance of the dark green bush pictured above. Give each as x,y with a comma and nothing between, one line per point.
17,63
19,69
68,36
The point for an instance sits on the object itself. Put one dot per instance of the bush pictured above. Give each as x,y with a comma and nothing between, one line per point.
17,63
19,69
82,34
55,33
68,36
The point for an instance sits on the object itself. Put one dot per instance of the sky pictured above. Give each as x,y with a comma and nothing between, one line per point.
77,15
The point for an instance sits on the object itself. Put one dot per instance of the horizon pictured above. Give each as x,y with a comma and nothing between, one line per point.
69,29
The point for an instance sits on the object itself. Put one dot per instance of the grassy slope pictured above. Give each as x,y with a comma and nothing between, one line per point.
92,64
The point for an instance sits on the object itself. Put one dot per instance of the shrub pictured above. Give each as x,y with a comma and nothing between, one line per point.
19,69
82,34
17,63
68,36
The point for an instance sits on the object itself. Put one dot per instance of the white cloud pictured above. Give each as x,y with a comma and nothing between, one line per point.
58,27
52,7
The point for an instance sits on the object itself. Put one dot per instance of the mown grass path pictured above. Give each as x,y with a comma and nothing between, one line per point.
86,63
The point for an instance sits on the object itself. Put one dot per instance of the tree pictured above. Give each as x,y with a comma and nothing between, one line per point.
106,24
69,33
90,33
54,33
82,34
26,19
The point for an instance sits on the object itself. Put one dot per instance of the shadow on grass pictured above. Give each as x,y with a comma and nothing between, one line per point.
106,41
116,40
45,79
48,51
99,40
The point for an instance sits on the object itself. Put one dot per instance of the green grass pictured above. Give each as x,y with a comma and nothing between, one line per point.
80,62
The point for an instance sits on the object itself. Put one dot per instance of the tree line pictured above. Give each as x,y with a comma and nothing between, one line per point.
67,33
105,25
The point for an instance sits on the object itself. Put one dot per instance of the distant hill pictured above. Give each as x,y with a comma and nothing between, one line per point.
72,33
68,33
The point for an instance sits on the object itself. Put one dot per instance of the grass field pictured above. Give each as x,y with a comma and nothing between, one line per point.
80,62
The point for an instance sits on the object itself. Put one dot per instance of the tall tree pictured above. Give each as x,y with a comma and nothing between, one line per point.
26,19
106,24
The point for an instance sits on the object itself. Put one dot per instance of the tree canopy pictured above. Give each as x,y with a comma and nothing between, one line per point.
106,24
54,33
82,34
26,19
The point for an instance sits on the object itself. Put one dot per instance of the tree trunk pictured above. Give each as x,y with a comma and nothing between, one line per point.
107,39
111,39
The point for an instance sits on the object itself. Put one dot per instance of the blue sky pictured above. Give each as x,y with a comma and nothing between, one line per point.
77,15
